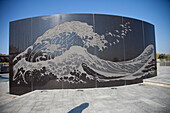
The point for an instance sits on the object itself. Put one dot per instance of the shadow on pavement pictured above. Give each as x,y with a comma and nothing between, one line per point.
4,79
79,108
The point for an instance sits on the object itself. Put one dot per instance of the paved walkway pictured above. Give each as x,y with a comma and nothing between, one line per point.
138,98
4,88
163,76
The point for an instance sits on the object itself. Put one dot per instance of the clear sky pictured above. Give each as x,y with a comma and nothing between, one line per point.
156,12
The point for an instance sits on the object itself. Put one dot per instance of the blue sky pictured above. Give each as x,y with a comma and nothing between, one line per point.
156,12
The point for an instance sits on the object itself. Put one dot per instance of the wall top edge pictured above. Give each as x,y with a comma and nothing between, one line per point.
82,14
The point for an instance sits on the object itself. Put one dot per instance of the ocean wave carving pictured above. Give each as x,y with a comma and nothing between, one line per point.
61,54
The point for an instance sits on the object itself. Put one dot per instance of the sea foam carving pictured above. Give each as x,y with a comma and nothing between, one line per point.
61,54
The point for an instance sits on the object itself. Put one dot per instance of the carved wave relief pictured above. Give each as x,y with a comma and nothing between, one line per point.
61,54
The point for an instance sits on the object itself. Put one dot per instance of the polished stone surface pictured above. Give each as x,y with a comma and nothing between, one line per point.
70,51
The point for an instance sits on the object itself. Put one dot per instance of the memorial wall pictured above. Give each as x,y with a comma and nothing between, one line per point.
79,51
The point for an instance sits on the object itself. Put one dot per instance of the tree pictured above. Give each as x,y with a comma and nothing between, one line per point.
2,59
168,55
157,55
162,56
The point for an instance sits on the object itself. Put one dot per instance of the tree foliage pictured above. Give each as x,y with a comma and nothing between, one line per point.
162,56
157,55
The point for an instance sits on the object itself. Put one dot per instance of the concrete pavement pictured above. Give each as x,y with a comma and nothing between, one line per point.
140,98
4,88
163,76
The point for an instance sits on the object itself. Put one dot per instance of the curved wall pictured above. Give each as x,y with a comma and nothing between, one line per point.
79,51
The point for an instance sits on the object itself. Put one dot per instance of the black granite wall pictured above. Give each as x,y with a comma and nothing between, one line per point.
79,51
